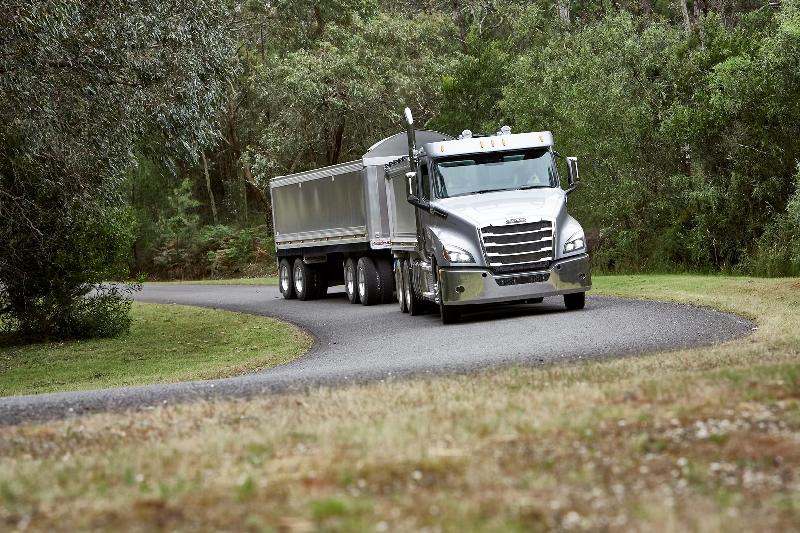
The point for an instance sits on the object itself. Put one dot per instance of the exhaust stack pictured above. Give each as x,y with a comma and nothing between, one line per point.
412,139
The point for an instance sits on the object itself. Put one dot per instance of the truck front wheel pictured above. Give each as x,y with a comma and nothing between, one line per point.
286,280
400,286
575,301
415,304
450,313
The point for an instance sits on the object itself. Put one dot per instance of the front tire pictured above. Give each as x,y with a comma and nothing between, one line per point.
575,301
400,285
450,313
286,280
415,304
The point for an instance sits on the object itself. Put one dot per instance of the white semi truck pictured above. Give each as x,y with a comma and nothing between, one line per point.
434,222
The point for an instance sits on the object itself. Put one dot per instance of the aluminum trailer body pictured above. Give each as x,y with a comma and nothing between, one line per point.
332,224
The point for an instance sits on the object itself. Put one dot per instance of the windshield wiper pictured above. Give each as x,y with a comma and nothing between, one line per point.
526,187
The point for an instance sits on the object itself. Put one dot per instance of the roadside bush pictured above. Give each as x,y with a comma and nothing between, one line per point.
779,248
217,251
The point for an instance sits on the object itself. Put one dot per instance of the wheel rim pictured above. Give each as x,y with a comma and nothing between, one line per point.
298,279
398,281
407,284
349,282
285,282
362,284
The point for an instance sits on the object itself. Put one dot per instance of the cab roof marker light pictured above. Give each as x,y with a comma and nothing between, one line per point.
505,130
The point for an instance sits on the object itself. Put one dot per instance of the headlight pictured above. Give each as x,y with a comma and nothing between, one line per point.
575,243
456,255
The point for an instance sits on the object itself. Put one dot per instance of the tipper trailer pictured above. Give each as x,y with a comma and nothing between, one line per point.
435,221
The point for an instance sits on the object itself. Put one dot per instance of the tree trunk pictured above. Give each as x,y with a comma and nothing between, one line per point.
336,149
687,21
208,186
562,6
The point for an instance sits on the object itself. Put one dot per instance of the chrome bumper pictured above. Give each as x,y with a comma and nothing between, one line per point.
461,286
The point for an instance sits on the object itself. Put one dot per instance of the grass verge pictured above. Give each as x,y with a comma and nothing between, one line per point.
695,439
167,343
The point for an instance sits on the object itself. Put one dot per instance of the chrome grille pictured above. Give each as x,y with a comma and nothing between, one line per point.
518,247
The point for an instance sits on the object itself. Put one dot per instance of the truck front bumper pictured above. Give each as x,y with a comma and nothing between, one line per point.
462,286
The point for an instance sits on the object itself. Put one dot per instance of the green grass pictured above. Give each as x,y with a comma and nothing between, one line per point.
269,280
166,343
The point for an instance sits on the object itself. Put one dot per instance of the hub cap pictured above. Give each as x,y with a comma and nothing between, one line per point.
349,282
362,284
285,281
398,282
407,274
298,279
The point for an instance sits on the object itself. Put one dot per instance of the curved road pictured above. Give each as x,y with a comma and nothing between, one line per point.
357,343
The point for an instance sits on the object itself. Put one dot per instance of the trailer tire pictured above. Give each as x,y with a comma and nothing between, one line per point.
385,280
400,285
415,304
369,285
575,301
286,280
306,280
351,281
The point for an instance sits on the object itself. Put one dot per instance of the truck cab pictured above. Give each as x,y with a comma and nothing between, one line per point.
491,224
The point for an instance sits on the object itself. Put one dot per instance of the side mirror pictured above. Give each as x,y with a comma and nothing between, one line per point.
411,187
572,174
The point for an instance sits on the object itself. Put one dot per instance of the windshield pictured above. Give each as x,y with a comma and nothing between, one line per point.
491,172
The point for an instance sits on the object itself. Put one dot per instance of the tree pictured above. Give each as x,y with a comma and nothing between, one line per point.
84,87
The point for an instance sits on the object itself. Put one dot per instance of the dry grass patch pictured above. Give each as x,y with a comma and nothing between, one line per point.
700,439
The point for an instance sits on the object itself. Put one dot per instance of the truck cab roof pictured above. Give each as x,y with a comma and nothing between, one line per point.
491,143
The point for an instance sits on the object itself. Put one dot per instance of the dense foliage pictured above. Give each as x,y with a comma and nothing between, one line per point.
84,87
685,115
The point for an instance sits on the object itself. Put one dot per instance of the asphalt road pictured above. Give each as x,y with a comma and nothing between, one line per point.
356,343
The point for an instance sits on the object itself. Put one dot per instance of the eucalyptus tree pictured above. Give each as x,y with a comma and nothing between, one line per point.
84,87
341,82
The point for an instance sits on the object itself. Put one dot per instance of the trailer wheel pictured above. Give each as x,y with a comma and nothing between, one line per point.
286,280
350,280
385,280
400,285
368,280
306,280
575,301
415,304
